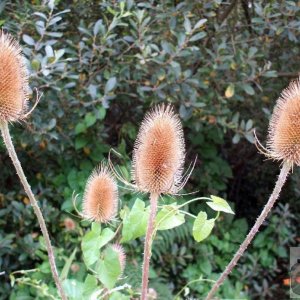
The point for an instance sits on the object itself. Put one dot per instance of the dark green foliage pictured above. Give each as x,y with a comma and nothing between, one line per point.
100,66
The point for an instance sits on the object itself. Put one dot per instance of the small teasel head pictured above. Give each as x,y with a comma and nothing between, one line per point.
100,199
284,129
14,80
159,152
121,255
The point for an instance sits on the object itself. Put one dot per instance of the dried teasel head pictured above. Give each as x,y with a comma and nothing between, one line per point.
100,199
121,255
284,129
14,80
159,152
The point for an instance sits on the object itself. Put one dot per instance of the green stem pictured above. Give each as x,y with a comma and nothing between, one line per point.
194,281
274,196
13,155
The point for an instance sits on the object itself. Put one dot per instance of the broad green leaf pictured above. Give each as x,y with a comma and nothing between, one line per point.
89,286
219,204
202,227
90,246
73,289
109,268
89,119
106,235
96,227
169,217
80,127
135,222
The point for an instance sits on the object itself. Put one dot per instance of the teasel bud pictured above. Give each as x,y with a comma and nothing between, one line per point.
121,255
14,80
100,199
159,152
284,130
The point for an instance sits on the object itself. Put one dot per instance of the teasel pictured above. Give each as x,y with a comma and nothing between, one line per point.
14,90
100,200
158,159
283,144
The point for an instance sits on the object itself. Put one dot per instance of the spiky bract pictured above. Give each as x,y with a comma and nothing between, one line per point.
159,152
14,80
100,200
284,130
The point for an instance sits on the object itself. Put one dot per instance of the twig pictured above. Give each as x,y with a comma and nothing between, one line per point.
279,184
12,153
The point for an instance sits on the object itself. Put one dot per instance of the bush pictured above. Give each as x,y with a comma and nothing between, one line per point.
100,66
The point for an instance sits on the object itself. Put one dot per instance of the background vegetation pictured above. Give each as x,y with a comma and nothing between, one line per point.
100,65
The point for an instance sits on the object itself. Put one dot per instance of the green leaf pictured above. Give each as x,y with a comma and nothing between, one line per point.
28,40
106,236
109,268
89,286
73,288
66,268
200,23
110,85
90,246
202,227
80,142
89,119
198,36
219,204
135,222
248,89
80,127
169,217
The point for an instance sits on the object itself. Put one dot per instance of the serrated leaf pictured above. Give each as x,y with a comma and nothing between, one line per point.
219,204
202,227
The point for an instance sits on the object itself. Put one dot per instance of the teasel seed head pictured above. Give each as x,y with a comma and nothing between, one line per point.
14,80
159,152
121,255
100,199
284,130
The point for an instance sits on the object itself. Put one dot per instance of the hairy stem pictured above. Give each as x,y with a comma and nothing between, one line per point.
279,184
148,243
12,153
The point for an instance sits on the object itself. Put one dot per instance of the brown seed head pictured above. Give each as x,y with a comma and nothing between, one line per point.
121,254
14,80
159,153
284,129
100,200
